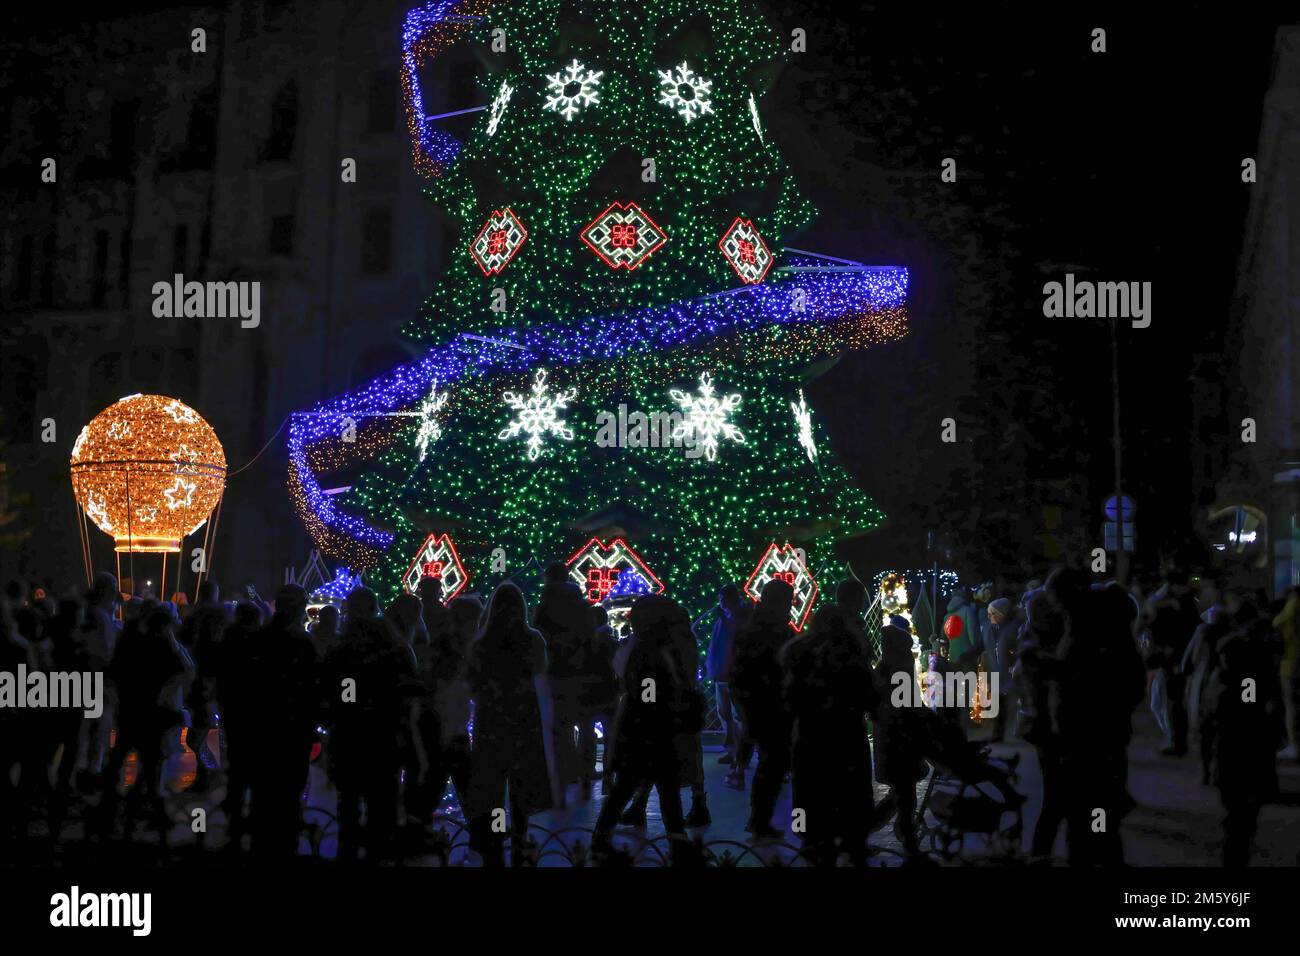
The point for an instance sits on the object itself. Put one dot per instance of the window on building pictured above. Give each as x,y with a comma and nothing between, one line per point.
280,240
377,242
122,125
381,102
18,387
105,376
284,123
180,248
99,271
49,250
124,268
147,364
26,263
185,367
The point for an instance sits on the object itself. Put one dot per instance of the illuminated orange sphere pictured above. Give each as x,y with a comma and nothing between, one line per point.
148,470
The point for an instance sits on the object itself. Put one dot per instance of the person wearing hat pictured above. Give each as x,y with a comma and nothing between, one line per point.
1004,630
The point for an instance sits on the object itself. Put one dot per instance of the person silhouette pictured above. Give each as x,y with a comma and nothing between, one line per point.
238,711
660,705
756,680
149,667
284,694
899,759
563,617
511,761
829,691
371,685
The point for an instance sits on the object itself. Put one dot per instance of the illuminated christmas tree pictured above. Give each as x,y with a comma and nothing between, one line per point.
621,275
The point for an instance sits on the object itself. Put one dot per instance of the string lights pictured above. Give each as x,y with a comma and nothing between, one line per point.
622,308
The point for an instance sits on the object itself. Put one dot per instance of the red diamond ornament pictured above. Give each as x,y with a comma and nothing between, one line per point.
596,568
783,561
437,558
744,248
498,241
623,236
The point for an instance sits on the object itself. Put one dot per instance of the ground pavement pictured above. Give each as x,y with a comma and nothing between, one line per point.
1177,821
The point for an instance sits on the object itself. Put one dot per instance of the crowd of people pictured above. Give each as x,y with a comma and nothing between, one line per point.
506,708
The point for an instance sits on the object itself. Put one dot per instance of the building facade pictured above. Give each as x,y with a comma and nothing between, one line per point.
221,164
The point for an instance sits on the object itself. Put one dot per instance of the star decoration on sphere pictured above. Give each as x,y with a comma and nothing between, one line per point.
538,415
746,251
179,494
623,236
753,115
181,413
803,418
185,458
430,431
706,417
147,514
498,241
686,92
499,104
120,429
97,508
572,89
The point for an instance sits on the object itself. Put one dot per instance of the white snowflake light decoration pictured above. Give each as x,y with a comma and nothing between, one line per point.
707,417
499,104
753,115
430,430
538,414
686,92
803,418
572,89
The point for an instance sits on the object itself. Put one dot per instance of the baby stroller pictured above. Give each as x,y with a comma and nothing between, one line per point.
968,791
